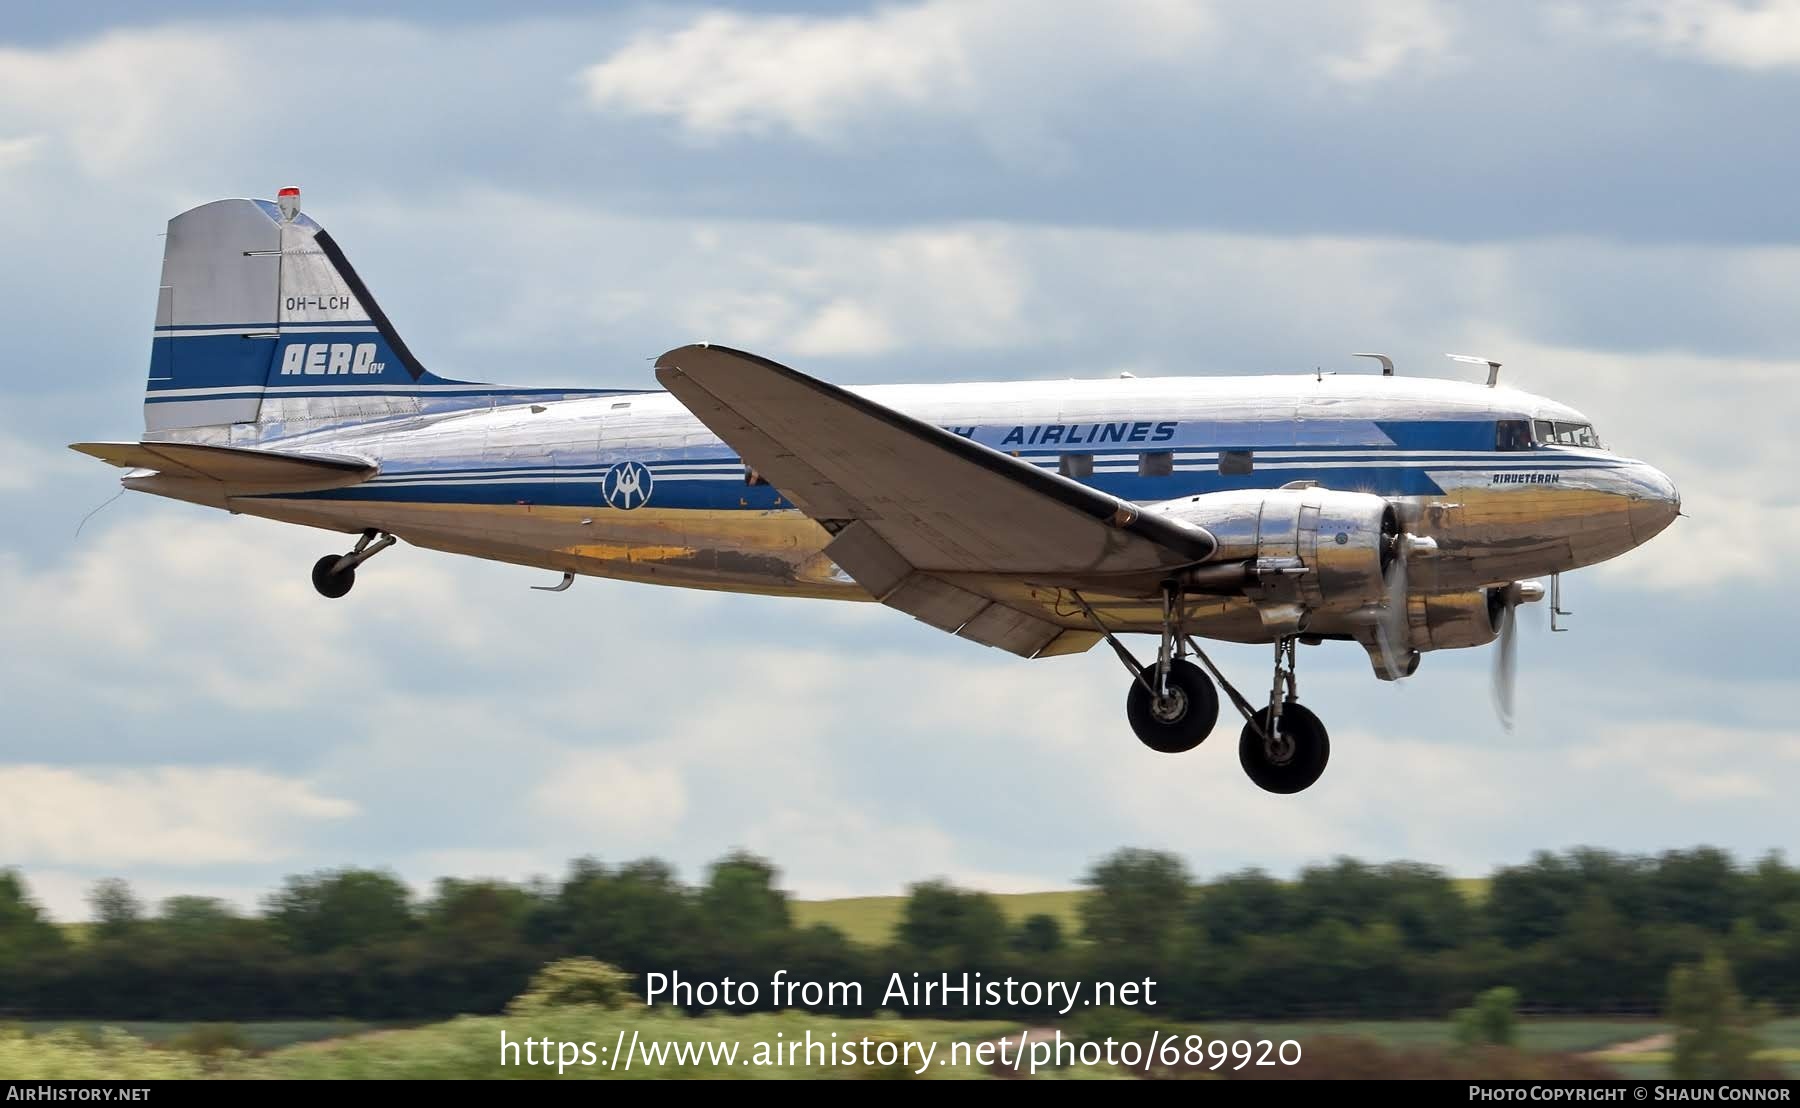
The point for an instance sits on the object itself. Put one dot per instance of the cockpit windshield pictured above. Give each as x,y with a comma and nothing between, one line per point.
1558,433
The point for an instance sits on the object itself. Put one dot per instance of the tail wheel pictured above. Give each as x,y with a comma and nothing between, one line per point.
331,581
1296,755
1179,721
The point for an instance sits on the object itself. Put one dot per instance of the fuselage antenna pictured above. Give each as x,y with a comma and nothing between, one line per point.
1387,363
1493,366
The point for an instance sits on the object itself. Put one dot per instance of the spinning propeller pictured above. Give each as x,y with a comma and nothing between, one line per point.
1502,602
1392,634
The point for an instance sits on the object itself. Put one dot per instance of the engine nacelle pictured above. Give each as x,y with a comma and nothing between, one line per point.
1308,549
1445,621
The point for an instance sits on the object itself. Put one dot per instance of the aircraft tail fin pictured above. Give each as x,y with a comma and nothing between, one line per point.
262,321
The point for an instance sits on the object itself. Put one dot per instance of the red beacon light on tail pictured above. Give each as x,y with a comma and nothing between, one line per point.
289,200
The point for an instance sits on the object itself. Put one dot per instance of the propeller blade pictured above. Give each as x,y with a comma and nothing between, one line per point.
1390,629
1506,653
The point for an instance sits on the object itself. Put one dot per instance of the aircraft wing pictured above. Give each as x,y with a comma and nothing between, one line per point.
929,522
251,469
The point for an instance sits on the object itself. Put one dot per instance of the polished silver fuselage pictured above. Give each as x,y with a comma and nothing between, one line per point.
631,486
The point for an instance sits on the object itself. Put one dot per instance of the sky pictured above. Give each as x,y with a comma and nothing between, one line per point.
1599,195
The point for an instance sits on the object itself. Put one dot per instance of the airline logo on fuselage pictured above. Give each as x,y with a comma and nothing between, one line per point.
1527,479
1088,434
627,485
328,359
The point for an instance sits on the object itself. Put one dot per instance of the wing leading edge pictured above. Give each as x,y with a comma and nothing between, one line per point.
934,524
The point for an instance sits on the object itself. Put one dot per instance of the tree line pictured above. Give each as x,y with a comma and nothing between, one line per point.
1581,931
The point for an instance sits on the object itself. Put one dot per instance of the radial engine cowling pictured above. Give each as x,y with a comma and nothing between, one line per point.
1313,548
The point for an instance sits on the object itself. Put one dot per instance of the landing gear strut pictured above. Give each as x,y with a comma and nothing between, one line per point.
335,574
1173,705
1283,747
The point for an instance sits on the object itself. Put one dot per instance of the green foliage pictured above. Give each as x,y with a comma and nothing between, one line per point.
1139,903
1715,1034
874,920
1582,931
70,1055
1094,1025
474,915
212,1039
951,927
194,921
117,911
740,898
1038,934
1338,1059
574,983
329,911
639,917
24,932
1493,1020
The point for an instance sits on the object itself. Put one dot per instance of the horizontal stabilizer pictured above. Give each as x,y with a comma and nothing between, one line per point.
232,465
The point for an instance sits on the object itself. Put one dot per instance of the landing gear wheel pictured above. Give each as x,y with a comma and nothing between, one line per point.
331,581
1296,757
1180,721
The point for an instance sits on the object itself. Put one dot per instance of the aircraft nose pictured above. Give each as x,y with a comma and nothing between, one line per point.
1654,502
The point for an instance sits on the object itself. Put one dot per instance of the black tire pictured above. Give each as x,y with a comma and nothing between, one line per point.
1182,726
1305,750
332,584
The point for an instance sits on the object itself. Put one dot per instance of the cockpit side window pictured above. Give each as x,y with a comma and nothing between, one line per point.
1568,434
1512,434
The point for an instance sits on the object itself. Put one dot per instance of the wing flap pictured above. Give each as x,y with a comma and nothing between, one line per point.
233,465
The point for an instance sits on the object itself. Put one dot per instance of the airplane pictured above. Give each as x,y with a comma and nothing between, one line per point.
1403,514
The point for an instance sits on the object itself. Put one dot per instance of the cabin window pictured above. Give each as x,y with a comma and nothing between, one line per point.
1156,463
1235,463
1076,465
1512,434
751,477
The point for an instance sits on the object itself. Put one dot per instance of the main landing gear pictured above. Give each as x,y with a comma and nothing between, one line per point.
1173,706
335,574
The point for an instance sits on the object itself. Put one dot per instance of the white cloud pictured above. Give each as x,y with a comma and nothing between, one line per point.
117,99
610,793
1007,66
19,151
25,465
1393,35
164,816
844,326
1744,34
109,610
729,72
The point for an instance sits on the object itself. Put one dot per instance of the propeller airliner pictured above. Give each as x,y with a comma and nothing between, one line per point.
1402,514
